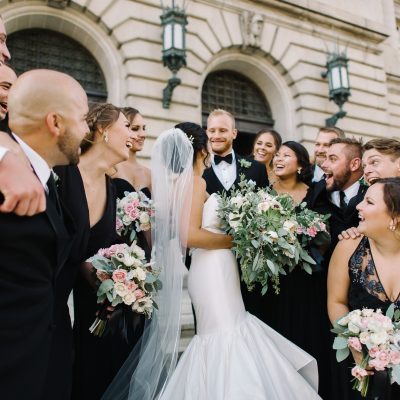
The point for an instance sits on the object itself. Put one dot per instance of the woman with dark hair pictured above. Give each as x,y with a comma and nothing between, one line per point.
266,144
302,298
365,272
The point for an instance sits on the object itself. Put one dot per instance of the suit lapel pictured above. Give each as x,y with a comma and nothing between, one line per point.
64,230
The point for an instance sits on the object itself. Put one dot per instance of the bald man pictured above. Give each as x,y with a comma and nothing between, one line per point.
20,191
47,112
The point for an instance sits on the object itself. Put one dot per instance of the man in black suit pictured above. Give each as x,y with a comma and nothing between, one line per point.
225,171
226,165
339,195
47,114
342,188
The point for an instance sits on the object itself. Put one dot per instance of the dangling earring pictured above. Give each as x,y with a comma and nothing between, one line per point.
298,171
392,225
105,136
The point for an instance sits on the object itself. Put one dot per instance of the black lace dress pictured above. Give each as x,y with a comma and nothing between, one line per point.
366,291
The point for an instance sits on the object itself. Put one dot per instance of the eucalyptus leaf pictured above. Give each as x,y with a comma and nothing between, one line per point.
105,287
390,311
340,343
396,373
342,354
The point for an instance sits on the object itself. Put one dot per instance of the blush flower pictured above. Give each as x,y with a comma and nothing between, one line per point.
119,275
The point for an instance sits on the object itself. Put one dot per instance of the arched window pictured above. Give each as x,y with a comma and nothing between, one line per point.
240,96
41,48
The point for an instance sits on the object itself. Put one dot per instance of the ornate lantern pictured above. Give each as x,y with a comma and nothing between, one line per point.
173,21
339,87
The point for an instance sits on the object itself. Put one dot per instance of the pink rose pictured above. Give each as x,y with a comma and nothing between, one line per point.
102,275
299,230
354,343
381,360
131,286
112,250
359,372
119,275
312,231
373,351
322,226
139,293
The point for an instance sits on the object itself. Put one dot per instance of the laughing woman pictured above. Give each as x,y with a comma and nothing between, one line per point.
302,298
109,142
266,144
365,272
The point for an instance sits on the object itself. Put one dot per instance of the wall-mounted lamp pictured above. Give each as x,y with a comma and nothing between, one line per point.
173,21
339,87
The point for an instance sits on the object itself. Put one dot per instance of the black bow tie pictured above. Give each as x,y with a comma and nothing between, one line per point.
228,158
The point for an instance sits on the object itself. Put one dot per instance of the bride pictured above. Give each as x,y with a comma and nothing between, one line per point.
233,356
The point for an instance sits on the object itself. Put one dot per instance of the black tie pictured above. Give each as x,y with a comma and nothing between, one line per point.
53,194
227,158
343,204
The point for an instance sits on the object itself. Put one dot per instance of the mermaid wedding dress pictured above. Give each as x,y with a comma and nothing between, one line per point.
234,355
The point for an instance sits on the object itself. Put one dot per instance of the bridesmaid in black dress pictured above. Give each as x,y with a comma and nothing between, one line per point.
298,312
97,359
365,272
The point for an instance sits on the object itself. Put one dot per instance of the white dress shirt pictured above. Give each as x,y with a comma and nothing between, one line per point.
226,173
349,193
318,173
39,165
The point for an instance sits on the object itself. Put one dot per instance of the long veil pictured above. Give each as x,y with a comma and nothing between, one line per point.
151,363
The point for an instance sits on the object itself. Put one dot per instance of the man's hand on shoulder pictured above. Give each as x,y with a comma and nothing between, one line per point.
22,191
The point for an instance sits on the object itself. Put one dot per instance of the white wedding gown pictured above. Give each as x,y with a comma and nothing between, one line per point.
234,355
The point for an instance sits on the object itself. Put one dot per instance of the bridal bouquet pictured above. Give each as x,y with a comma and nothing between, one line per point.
269,233
376,336
134,212
124,277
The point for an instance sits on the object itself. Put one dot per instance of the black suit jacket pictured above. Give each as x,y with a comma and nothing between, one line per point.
339,220
32,253
256,172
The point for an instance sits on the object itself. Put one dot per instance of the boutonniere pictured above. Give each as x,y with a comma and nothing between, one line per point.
244,163
56,178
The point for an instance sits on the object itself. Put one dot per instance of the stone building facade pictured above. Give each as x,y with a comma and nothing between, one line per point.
265,56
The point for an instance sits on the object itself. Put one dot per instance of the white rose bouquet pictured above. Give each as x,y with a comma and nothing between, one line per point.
124,277
376,336
134,212
267,233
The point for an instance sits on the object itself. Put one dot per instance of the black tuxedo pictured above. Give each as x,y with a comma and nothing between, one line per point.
339,220
32,253
256,172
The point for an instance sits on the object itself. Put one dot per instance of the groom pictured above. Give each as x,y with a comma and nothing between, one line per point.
225,171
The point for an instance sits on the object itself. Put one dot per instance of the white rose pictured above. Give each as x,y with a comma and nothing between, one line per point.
234,222
367,312
126,220
129,298
144,227
353,327
290,226
121,289
237,201
140,274
379,338
128,260
263,206
144,218
364,337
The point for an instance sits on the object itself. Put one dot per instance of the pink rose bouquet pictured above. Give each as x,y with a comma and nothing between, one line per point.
134,212
124,277
376,337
